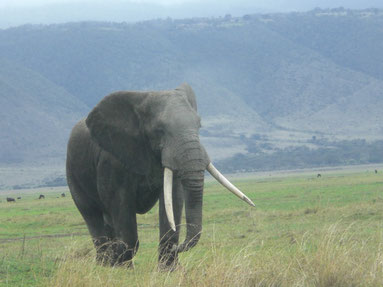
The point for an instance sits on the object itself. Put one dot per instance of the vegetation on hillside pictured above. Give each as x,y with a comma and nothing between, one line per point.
322,154
313,73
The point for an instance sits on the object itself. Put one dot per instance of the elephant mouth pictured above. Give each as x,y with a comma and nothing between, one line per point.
168,190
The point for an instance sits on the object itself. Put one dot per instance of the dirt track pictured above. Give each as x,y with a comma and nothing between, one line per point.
3,240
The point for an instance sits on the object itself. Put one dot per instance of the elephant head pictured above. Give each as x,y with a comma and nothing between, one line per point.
150,129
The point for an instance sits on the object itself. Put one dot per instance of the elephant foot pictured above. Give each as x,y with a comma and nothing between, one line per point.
116,253
112,262
163,267
168,262
127,264
105,260
168,258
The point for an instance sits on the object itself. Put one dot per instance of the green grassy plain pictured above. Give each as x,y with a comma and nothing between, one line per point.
305,231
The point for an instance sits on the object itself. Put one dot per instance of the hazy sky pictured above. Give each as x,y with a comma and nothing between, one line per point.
29,3
19,12
263,3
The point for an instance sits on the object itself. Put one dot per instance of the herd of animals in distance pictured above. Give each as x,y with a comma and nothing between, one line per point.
42,196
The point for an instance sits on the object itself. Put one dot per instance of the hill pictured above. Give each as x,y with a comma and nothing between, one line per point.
36,116
264,81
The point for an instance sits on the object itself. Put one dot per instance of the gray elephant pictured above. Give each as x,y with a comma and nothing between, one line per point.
134,149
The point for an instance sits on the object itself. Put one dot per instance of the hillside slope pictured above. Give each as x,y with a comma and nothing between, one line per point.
278,78
36,116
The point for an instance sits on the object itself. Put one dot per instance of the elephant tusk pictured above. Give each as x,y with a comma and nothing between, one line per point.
226,183
168,196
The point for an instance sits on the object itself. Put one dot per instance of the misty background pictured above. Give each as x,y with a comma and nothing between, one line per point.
281,85
19,12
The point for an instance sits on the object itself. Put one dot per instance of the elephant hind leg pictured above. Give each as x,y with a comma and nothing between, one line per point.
101,232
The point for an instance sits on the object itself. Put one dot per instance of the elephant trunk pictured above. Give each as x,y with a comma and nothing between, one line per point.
193,187
190,160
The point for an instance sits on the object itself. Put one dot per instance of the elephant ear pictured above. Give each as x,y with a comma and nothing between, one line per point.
189,93
115,126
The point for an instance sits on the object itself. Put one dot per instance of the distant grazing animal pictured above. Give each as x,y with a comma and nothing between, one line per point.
63,194
10,199
376,171
41,196
319,175
19,197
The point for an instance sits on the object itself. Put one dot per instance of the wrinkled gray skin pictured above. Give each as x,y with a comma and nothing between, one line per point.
115,165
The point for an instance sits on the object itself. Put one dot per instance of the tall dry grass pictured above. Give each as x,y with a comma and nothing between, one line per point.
334,257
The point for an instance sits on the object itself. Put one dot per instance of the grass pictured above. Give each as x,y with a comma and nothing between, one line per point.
305,231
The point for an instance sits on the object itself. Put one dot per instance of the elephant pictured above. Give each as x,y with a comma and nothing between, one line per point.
133,149
42,196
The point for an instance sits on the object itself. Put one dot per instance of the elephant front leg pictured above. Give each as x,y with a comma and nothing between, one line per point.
117,190
125,244
103,245
167,254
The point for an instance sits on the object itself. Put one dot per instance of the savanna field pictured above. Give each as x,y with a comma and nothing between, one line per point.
305,231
